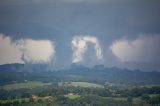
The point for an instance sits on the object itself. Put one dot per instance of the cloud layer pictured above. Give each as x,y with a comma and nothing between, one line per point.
143,49
25,50
79,46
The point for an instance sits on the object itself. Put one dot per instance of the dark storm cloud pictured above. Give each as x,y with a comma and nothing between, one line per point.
61,20
54,18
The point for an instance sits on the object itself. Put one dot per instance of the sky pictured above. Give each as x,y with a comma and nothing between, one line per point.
116,33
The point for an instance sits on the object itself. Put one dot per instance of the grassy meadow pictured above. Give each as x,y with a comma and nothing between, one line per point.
25,85
81,84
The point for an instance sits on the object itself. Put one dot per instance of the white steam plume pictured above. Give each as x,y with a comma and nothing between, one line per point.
79,46
25,50
143,49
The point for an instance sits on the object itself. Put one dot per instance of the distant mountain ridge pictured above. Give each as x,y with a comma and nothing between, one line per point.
98,73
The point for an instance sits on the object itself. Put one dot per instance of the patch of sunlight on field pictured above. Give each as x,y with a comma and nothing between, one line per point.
27,85
81,84
72,96
117,98
120,99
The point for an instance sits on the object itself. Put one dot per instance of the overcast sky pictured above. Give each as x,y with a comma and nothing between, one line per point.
121,33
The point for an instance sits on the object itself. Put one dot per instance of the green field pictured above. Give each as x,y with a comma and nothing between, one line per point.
81,84
13,100
153,95
27,85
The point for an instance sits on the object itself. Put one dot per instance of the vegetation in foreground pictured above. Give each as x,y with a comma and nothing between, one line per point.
68,94
73,87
